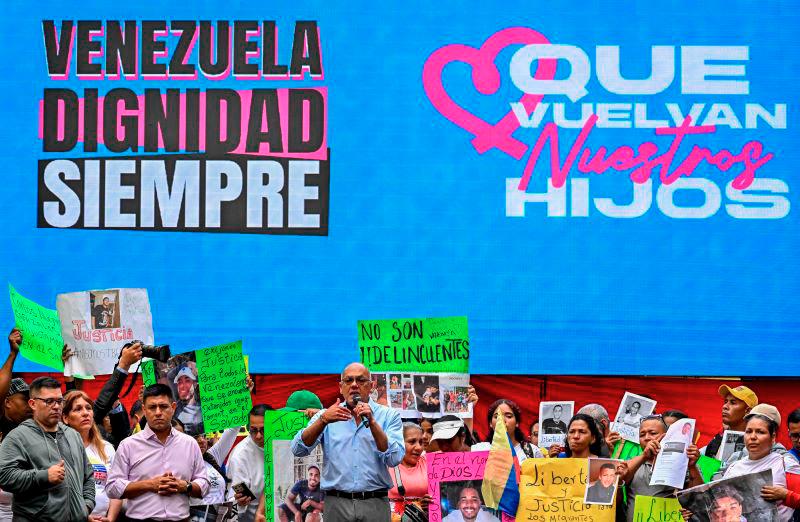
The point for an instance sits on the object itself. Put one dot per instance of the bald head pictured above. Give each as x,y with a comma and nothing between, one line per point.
355,383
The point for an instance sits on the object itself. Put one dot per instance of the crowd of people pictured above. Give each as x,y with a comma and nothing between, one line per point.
71,457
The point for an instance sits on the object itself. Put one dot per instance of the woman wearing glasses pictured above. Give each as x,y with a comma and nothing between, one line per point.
639,470
78,413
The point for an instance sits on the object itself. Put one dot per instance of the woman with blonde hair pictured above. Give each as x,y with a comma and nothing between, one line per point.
78,414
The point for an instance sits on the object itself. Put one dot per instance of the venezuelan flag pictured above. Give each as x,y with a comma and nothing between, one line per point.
500,486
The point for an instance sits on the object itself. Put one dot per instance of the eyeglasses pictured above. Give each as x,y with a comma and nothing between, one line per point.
794,435
360,380
50,402
254,431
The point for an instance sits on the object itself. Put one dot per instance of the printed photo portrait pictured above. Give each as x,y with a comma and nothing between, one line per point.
732,441
633,408
409,404
180,374
396,400
602,484
426,390
408,381
104,309
553,417
456,399
378,393
296,483
395,381
731,500
462,501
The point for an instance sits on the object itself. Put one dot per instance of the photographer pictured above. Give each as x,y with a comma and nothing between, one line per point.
107,402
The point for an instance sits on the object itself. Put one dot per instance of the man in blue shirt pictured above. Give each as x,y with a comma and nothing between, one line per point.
359,441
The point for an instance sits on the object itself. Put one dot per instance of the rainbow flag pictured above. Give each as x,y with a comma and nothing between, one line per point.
500,486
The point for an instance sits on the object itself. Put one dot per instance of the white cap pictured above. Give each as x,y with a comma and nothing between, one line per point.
446,429
184,372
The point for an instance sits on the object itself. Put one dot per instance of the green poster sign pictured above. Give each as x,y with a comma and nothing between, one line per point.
41,331
148,373
224,397
433,345
278,426
647,509
708,466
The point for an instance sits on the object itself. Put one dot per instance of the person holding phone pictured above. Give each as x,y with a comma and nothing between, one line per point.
246,467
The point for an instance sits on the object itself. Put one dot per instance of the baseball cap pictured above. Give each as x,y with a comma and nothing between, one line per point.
743,393
302,400
184,372
767,410
18,386
447,427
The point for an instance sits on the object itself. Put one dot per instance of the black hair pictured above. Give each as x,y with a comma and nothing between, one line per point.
315,467
607,465
157,390
793,417
677,414
596,446
772,426
258,410
178,424
44,382
728,492
136,408
518,434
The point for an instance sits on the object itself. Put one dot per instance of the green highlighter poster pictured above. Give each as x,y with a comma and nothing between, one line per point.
282,470
648,509
41,331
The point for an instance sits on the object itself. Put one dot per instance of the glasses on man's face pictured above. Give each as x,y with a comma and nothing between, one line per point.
50,402
361,381
794,435
256,431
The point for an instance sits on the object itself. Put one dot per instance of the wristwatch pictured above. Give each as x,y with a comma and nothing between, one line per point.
188,488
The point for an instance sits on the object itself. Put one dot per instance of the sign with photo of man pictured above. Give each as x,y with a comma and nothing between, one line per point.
553,418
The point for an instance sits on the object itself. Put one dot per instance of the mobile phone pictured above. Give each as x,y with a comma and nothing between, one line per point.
242,489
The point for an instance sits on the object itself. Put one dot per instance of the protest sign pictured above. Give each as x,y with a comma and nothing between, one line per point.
632,409
223,386
737,498
650,509
209,385
97,323
708,467
553,417
419,366
554,489
626,450
283,472
41,331
434,345
454,482
672,461
732,441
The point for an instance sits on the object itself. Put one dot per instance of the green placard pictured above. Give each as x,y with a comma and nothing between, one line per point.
41,331
647,509
627,451
434,345
224,397
148,373
708,466
278,425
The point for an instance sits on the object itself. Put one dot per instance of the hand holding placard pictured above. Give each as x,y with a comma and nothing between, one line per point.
41,331
224,395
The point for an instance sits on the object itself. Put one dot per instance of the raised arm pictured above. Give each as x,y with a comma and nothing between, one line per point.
14,340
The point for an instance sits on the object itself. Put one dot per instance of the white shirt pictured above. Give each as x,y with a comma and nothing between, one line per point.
100,468
774,462
247,465
483,516
216,491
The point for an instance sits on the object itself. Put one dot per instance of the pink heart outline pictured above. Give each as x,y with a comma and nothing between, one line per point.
486,79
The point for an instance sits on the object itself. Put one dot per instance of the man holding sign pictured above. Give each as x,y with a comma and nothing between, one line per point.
360,440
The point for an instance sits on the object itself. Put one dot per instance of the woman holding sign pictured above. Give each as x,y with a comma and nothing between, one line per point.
583,439
509,412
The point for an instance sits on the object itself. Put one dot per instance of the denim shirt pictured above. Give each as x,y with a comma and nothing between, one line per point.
351,460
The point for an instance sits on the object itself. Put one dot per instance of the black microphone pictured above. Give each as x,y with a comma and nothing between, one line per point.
364,418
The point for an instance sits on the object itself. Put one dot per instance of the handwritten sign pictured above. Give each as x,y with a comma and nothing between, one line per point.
224,396
41,331
452,467
415,345
278,426
553,489
651,509
148,373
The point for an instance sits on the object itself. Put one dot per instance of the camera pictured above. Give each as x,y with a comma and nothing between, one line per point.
160,353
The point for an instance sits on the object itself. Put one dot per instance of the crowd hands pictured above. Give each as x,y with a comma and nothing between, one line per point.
110,472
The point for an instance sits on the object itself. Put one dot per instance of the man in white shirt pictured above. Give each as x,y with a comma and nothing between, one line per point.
246,466
469,508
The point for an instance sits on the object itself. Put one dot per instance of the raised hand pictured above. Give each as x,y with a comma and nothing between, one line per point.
14,340
336,413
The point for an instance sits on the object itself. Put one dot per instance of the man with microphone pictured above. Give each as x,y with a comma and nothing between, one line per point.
360,439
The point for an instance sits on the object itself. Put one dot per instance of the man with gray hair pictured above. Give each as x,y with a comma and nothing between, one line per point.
603,421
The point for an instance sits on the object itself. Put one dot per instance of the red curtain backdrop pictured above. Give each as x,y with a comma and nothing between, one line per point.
697,397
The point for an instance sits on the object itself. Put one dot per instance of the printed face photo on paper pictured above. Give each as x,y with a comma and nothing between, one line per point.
104,309
180,374
601,487
731,500
426,390
463,500
298,477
